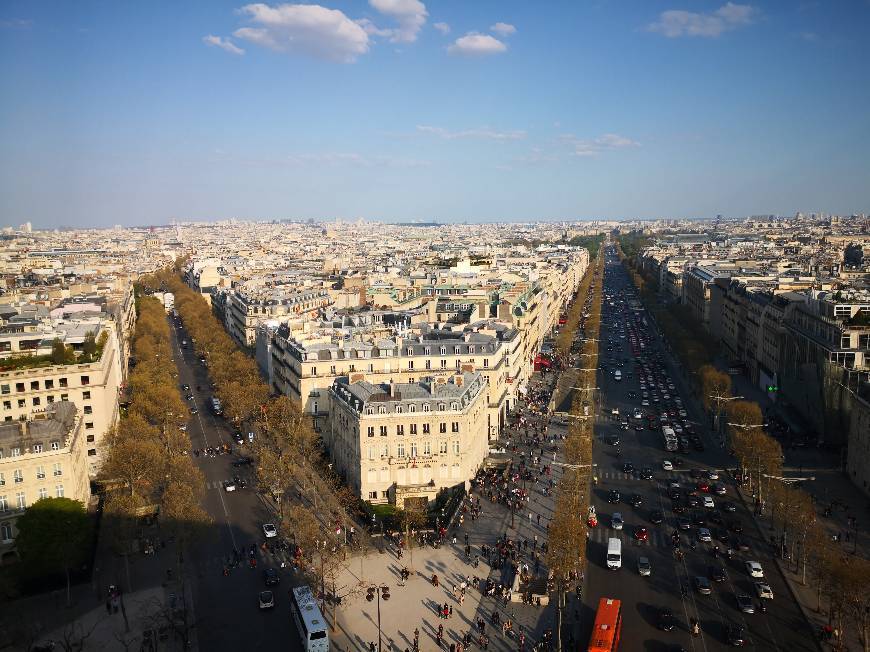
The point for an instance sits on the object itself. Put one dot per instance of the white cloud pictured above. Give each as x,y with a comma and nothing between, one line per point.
409,14
224,44
484,133
503,29
371,29
475,44
305,29
604,142
444,28
16,23
678,22
809,37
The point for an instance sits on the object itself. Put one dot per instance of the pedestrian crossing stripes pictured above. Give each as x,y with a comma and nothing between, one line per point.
265,559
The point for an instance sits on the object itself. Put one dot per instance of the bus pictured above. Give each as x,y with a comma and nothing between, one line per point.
669,437
608,626
310,623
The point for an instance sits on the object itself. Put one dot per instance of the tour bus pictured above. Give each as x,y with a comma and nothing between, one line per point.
614,553
608,626
617,375
310,623
216,406
670,438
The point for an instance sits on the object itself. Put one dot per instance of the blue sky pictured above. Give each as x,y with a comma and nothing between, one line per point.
135,113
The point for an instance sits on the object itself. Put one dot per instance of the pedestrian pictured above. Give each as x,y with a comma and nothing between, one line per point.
450,611
371,646
530,517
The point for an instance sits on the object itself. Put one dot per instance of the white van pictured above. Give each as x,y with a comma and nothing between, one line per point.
614,554
617,375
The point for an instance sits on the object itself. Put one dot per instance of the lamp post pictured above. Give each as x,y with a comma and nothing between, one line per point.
381,592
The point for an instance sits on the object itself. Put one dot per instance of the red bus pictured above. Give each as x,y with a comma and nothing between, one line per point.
608,625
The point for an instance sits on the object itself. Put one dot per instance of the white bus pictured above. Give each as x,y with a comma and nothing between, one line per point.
309,621
669,437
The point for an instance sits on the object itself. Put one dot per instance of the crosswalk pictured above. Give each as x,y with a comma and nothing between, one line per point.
265,559
682,476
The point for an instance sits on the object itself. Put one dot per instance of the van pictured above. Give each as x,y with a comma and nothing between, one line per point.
614,554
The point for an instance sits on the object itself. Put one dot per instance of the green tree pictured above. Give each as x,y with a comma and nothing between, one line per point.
60,353
89,346
53,536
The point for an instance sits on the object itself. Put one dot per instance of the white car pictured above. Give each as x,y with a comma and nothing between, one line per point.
708,502
704,534
667,465
713,474
497,450
764,591
754,569
616,521
229,485
270,530
614,411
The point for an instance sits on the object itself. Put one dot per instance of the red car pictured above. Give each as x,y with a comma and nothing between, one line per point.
703,486
641,534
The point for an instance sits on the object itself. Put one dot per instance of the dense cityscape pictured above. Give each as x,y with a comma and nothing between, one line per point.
404,326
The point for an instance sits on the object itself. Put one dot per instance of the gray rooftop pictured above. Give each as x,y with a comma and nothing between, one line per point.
60,419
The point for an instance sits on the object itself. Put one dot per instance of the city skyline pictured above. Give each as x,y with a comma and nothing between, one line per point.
400,111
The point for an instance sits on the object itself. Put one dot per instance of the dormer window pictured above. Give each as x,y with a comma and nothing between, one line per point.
441,407
425,407
454,406
399,409
443,350
412,408
382,410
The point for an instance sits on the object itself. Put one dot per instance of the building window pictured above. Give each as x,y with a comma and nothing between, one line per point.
36,401
454,406
49,384
64,397
442,428
373,495
370,431
370,410
400,450
22,403
485,363
86,380
427,350
458,363
385,494
59,491
7,405
43,493
2,480
444,364
37,448
92,452
21,501
18,475
412,408
19,387
425,428
89,425
34,385
86,396
90,410
400,429
471,349
410,364
62,382
49,399
383,431
456,447
58,470
5,528
385,450
427,448
413,428
55,445
443,447
454,427
40,472
443,350
16,452
371,452
442,407
425,407
4,504
399,409
313,371
4,389
332,370
413,449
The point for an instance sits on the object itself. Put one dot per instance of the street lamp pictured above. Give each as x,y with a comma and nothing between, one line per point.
381,592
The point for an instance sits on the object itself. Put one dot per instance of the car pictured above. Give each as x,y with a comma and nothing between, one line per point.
708,502
693,501
645,402
744,603
729,507
189,397
740,544
754,569
699,519
646,473
266,600
719,489
613,496
763,591
183,342
271,577
717,573
635,500
665,620
712,474
696,474
628,467
182,427
644,567
243,461
735,526
704,535
193,410
185,387
241,483
641,534
703,486
735,635
616,521
614,411
270,530
667,466
656,517
722,535
684,523
702,585
674,493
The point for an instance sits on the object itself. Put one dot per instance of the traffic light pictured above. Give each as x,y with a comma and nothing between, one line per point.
772,388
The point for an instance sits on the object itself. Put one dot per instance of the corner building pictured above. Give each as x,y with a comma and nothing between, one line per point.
399,441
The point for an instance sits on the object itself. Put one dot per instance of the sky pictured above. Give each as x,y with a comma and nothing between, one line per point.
456,110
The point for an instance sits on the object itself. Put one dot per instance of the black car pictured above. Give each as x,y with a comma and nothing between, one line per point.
675,493
271,577
702,585
728,507
243,461
693,501
656,517
186,387
697,474
666,620
628,467
717,573
635,500
722,535
740,544
735,635
735,526
614,496
699,519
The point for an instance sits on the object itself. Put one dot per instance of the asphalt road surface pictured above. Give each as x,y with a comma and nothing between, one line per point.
782,627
